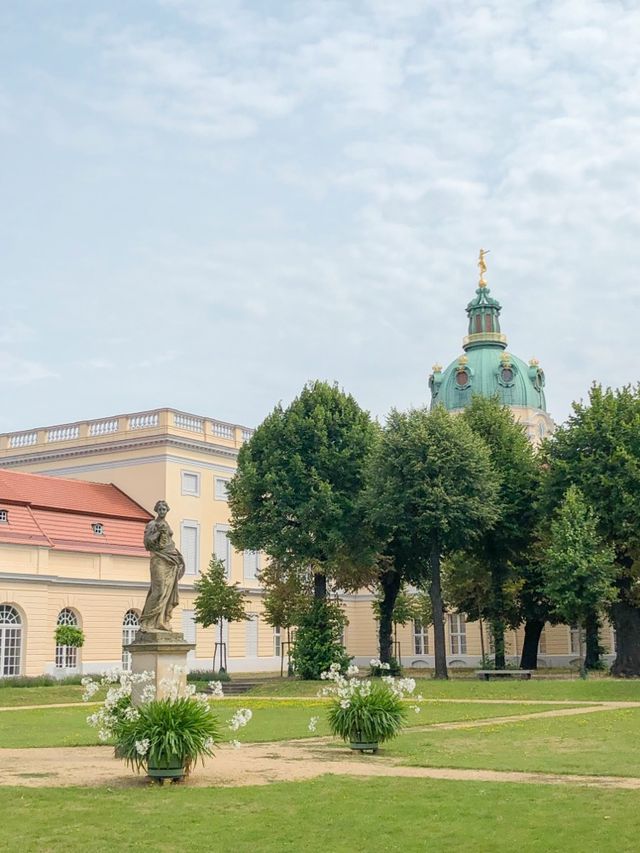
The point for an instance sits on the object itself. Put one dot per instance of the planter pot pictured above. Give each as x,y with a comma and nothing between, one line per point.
173,768
362,746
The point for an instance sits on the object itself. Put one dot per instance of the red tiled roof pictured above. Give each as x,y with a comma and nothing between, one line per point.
58,513
39,490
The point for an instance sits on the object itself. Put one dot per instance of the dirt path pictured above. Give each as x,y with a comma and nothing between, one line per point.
253,764
260,764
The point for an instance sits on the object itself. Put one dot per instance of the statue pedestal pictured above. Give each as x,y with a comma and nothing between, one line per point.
163,653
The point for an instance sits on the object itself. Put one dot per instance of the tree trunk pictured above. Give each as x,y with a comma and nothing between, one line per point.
319,586
497,617
437,605
390,584
594,649
581,655
626,619
533,629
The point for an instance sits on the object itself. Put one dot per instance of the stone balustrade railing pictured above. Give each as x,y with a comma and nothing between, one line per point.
158,421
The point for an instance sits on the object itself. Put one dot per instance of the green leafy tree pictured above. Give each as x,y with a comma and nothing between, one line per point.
286,598
296,493
598,450
579,569
297,496
433,489
502,550
410,606
217,600
318,641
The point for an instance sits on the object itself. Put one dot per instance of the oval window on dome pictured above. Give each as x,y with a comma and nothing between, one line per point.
507,374
462,378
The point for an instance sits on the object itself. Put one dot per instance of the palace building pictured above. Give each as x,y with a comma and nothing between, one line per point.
71,537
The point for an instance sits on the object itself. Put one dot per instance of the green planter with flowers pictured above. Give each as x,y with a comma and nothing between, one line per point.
366,713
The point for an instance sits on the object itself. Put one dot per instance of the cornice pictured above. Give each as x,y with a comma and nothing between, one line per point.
164,440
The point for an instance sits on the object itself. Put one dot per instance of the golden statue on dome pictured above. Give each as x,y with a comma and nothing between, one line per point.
482,266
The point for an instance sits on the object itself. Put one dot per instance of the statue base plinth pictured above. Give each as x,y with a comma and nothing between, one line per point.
165,654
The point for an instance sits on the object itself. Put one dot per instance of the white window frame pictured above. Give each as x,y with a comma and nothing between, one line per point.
98,528
130,627
250,565
4,516
277,641
191,525
226,558
11,637
220,492
420,638
457,633
186,490
67,656
574,640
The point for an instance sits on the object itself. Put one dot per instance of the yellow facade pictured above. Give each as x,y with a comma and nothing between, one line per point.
183,459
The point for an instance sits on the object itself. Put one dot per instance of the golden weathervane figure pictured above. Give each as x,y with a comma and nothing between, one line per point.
482,267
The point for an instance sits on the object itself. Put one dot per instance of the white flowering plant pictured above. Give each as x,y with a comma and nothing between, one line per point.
182,729
364,711
116,708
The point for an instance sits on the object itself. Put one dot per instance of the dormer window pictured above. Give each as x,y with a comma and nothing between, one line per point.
98,528
4,516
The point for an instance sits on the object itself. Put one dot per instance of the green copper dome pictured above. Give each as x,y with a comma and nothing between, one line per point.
486,368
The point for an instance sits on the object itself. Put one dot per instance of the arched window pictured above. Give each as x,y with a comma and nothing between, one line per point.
10,640
130,627
67,656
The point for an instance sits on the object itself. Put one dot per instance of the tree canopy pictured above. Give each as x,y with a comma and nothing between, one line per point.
432,489
598,450
296,493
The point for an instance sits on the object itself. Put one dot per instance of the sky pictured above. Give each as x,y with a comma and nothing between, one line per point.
207,203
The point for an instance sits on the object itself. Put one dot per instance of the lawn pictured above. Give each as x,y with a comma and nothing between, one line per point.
10,696
332,813
280,720
603,743
596,689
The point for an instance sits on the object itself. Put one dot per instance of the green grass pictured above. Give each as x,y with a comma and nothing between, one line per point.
328,814
596,689
280,720
603,743
10,696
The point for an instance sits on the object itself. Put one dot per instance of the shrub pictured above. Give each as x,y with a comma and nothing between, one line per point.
69,635
318,641
38,680
208,675
377,669
363,711
164,730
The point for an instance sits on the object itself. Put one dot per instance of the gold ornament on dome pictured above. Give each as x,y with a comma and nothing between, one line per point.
482,266
463,360
534,362
437,368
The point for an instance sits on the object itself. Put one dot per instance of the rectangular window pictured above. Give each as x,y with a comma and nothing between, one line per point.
420,638
222,484
4,516
574,640
189,625
190,483
222,546
252,635
190,546
250,564
542,643
458,633
277,642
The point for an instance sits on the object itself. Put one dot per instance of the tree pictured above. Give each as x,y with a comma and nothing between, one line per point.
598,450
296,493
409,606
286,598
579,569
502,549
432,488
319,639
217,600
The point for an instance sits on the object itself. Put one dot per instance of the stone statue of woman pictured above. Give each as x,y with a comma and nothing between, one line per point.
167,567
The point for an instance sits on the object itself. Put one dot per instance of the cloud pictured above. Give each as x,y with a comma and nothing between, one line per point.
21,371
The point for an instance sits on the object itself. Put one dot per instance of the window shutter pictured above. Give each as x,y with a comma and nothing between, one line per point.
250,564
189,548
222,548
